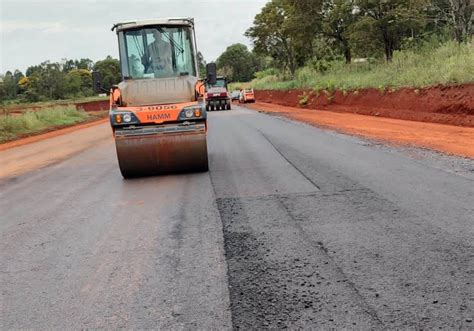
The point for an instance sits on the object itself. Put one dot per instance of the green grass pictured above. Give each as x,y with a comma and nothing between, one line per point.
448,64
13,126
16,104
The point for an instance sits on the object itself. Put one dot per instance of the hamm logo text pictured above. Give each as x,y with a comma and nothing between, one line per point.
158,117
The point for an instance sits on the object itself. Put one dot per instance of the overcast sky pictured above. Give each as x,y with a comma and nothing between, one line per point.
37,30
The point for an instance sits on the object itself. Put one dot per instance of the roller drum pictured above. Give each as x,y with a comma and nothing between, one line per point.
161,153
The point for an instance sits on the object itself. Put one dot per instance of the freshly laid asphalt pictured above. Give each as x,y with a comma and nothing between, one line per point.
292,227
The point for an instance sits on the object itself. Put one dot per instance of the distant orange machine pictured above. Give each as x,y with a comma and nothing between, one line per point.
246,96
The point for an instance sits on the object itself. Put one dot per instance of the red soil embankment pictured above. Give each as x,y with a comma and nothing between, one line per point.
452,105
94,105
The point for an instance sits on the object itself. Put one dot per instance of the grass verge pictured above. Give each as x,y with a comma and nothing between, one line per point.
29,122
14,104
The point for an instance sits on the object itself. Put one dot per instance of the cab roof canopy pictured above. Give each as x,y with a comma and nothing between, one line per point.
159,21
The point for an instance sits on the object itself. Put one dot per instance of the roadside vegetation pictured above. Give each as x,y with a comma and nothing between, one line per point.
353,44
26,106
51,81
448,64
29,122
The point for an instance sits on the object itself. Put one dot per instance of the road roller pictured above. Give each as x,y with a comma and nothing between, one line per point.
157,111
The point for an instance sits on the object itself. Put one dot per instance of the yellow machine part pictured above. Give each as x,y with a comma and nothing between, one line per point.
149,152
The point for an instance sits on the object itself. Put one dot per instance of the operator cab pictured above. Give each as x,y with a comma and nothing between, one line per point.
157,49
157,61
220,82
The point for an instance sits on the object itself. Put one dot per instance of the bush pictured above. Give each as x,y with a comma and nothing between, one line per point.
266,73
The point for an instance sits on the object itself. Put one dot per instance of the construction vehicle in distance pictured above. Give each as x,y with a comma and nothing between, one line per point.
156,112
247,95
218,96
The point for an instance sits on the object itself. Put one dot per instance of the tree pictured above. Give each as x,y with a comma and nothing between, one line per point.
3,91
86,64
46,81
51,81
364,39
304,20
58,80
79,83
273,37
458,14
68,65
33,69
10,86
201,65
237,63
17,75
392,20
31,86
286,30
339,16
110,70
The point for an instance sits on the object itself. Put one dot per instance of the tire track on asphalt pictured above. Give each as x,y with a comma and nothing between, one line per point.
229,288
290,255
370,310
319,244
265,297
278,291
278,278
288,160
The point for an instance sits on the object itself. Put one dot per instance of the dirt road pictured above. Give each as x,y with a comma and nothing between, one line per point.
293,226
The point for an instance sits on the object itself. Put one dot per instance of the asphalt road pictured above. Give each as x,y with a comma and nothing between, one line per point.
293,226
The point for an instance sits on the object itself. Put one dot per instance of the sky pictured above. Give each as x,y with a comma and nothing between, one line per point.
34,31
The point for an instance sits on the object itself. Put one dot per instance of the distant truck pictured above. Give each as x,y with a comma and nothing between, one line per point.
247,95
217,95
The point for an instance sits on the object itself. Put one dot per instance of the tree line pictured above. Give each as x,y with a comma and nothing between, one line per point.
289,34
57,80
